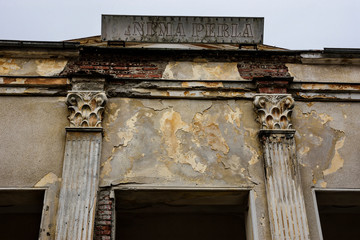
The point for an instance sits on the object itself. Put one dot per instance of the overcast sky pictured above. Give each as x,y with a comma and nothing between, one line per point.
292,24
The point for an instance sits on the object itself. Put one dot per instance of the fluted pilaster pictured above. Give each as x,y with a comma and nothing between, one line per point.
80,177
283,184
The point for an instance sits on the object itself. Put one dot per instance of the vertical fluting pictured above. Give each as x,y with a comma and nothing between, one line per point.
283,184
79,186
284,193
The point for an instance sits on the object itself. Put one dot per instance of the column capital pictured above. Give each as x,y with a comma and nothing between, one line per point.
274,111
86,108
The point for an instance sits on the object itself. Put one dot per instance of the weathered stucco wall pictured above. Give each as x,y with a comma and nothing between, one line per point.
184,143
324,73
31,67
180,142
32,140
327,143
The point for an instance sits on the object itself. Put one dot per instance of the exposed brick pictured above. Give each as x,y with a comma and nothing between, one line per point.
138,76
105,207
155,75
123,76
102,67
105,202
150,68
103,222
106,212
104,216
87,67
120,68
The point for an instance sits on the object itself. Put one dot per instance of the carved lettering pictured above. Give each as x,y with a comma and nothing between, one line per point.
247,31
235,32
165,29
197,28
210,30
127,31
223,30
150,29
139,28
180,30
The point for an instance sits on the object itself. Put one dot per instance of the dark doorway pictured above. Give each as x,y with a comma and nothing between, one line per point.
180,214
20,214
339,214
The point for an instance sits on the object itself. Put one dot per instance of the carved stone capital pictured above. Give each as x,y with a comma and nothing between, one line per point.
86,108
274,111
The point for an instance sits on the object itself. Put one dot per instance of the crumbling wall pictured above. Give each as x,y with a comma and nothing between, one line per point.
327,148
182,143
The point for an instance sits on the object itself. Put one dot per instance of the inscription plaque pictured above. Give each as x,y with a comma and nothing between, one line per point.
167,29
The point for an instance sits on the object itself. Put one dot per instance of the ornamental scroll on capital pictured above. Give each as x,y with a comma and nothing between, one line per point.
274,111
86,108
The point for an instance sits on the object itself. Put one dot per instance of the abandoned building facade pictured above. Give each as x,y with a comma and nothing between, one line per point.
131,140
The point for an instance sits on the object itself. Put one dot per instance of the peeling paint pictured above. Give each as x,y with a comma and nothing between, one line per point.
31,67
232,163
106,167
179,142
170,123
127,135
202,84
202,71
255,157
234,116
337,162
48,179
304,150
207,128
324,73
325,118
251,133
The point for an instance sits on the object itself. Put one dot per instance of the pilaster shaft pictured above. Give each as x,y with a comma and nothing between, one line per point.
283,184
80,177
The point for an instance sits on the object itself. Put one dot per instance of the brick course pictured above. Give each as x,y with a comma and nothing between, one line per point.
104,216
151,65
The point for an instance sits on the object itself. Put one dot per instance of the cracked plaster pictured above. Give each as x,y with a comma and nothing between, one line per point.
179,142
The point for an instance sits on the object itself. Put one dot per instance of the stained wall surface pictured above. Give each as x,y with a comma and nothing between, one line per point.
184,143
32,140
327,149
180,142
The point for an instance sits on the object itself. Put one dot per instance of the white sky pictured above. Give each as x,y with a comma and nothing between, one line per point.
293,24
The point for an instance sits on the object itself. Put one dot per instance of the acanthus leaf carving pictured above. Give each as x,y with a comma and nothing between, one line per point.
274,111
86,108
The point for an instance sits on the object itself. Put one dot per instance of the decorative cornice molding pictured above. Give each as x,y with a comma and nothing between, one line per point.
276,135
274,111
86,108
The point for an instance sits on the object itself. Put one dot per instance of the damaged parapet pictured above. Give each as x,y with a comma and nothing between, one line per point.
80,177
283,184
